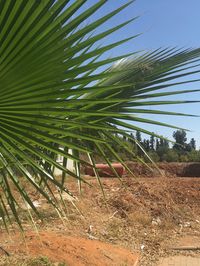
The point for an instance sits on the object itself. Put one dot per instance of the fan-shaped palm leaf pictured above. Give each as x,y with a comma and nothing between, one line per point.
54,99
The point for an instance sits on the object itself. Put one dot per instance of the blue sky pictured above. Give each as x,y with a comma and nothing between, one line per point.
162,24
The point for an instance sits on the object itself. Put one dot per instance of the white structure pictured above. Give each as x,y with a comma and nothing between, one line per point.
70,164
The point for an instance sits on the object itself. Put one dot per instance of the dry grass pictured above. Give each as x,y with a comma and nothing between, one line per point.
26,261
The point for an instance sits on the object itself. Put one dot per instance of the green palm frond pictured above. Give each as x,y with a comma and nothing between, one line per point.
56,102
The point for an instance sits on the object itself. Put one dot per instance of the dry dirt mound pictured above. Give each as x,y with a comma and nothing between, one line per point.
70,250
166,198
167,169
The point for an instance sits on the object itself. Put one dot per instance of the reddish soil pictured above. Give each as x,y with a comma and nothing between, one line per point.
73,251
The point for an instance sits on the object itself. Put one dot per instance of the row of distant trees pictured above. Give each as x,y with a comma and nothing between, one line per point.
160,149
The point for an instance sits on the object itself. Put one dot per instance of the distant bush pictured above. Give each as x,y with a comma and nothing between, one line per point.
194,156
153,155
183,158
171,156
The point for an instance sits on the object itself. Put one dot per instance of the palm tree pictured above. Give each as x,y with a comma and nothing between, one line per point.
54,99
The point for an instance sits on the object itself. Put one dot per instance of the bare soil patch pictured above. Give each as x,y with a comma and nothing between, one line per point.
69,250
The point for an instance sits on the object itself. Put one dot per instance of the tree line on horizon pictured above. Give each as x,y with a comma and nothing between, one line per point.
161,149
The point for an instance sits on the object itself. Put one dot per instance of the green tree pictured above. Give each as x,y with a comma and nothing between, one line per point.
154,156
170,156
124,138
194,156
147,145
132,138
183,157
180,138
162,148
162,151
166,143
61,95
193,144
152,142
138,136
158,144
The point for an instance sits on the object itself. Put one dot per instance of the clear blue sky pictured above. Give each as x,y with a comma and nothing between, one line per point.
164,23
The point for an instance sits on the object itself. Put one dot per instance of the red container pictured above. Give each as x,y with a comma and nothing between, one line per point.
105,170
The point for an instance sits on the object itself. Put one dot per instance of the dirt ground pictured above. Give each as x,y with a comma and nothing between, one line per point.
144,216
67,250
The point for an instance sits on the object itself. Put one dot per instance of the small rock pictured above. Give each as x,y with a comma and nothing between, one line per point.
104,233
156,221
187,224
92,237
181,228
142,247
90,229
39,221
